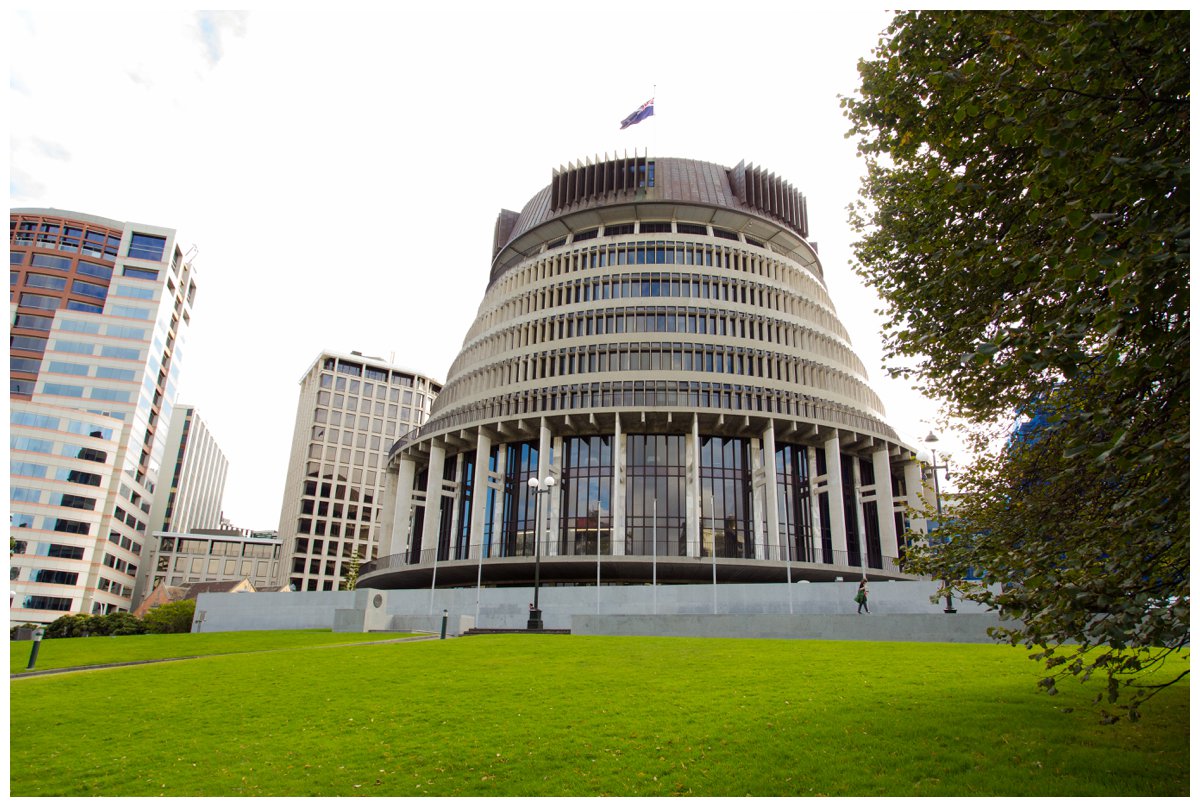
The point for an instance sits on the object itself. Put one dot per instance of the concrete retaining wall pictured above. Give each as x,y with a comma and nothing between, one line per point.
801,610
960,627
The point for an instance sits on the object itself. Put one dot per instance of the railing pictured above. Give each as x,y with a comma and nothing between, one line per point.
583,550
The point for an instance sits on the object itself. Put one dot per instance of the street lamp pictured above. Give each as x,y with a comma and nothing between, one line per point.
543,486
937,497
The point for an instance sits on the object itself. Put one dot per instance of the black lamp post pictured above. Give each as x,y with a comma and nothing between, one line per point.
937,497
543,486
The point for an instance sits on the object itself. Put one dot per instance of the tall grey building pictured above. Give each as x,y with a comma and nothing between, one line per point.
352,409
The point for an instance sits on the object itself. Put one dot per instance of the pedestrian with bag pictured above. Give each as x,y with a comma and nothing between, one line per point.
861,596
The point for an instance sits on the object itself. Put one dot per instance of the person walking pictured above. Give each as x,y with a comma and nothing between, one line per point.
861,596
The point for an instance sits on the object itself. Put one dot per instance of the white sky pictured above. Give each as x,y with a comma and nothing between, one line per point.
325,161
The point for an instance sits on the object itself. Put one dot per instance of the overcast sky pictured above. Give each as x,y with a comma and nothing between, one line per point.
326,161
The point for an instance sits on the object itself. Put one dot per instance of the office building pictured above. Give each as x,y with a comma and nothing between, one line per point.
214,556
352,409
657,339
191,498
99,311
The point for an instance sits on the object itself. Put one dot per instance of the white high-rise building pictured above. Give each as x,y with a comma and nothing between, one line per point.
99,309
191,498
352,409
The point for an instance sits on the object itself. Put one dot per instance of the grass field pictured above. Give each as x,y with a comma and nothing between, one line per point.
586,716
55,654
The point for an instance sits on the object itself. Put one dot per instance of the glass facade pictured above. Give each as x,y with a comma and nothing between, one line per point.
655,515
587,496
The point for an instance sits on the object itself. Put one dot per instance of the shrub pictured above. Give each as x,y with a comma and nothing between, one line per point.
171,617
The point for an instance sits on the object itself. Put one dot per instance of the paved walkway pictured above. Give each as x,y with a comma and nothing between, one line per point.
57,670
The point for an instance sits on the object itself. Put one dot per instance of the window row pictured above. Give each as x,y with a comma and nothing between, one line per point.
598,287
374,373
327,490
114,588
47,549
317,546
361,424
41,446
365,406
785,275
66,236
333,529
661,357
125,542
335,509
658,319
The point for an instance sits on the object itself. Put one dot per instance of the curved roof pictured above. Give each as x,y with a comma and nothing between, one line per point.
588,194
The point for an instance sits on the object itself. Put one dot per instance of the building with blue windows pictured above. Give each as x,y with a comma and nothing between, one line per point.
99,310
657,350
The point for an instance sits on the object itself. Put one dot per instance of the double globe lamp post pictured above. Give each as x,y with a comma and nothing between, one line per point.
539,487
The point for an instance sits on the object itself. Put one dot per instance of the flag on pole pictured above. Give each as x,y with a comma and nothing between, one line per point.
639,115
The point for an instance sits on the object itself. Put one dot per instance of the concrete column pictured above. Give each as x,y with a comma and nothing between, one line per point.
401,521
861,537
775,547
433,503
885,503
758,502
914,487
837,512
547,509
618,490
479,490
498,509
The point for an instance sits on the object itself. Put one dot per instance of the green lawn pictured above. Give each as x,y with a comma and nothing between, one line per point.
59,653
585,716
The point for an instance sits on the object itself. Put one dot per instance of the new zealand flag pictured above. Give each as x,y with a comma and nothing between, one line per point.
642,112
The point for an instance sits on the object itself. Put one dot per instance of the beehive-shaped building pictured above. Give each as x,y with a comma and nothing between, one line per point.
656,340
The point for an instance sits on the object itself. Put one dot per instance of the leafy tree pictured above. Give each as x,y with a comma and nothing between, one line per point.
119,623
69,626
1025,217
170,617
350,580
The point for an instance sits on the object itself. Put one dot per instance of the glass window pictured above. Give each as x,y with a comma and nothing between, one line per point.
75,305
725,497
40,301
135,292
89,289
53,282
17,364
110,352
93,270
63,389
51,262
130,311
147,247
35,343
32,322
119,396
68,368
125,331
655,508
142,274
